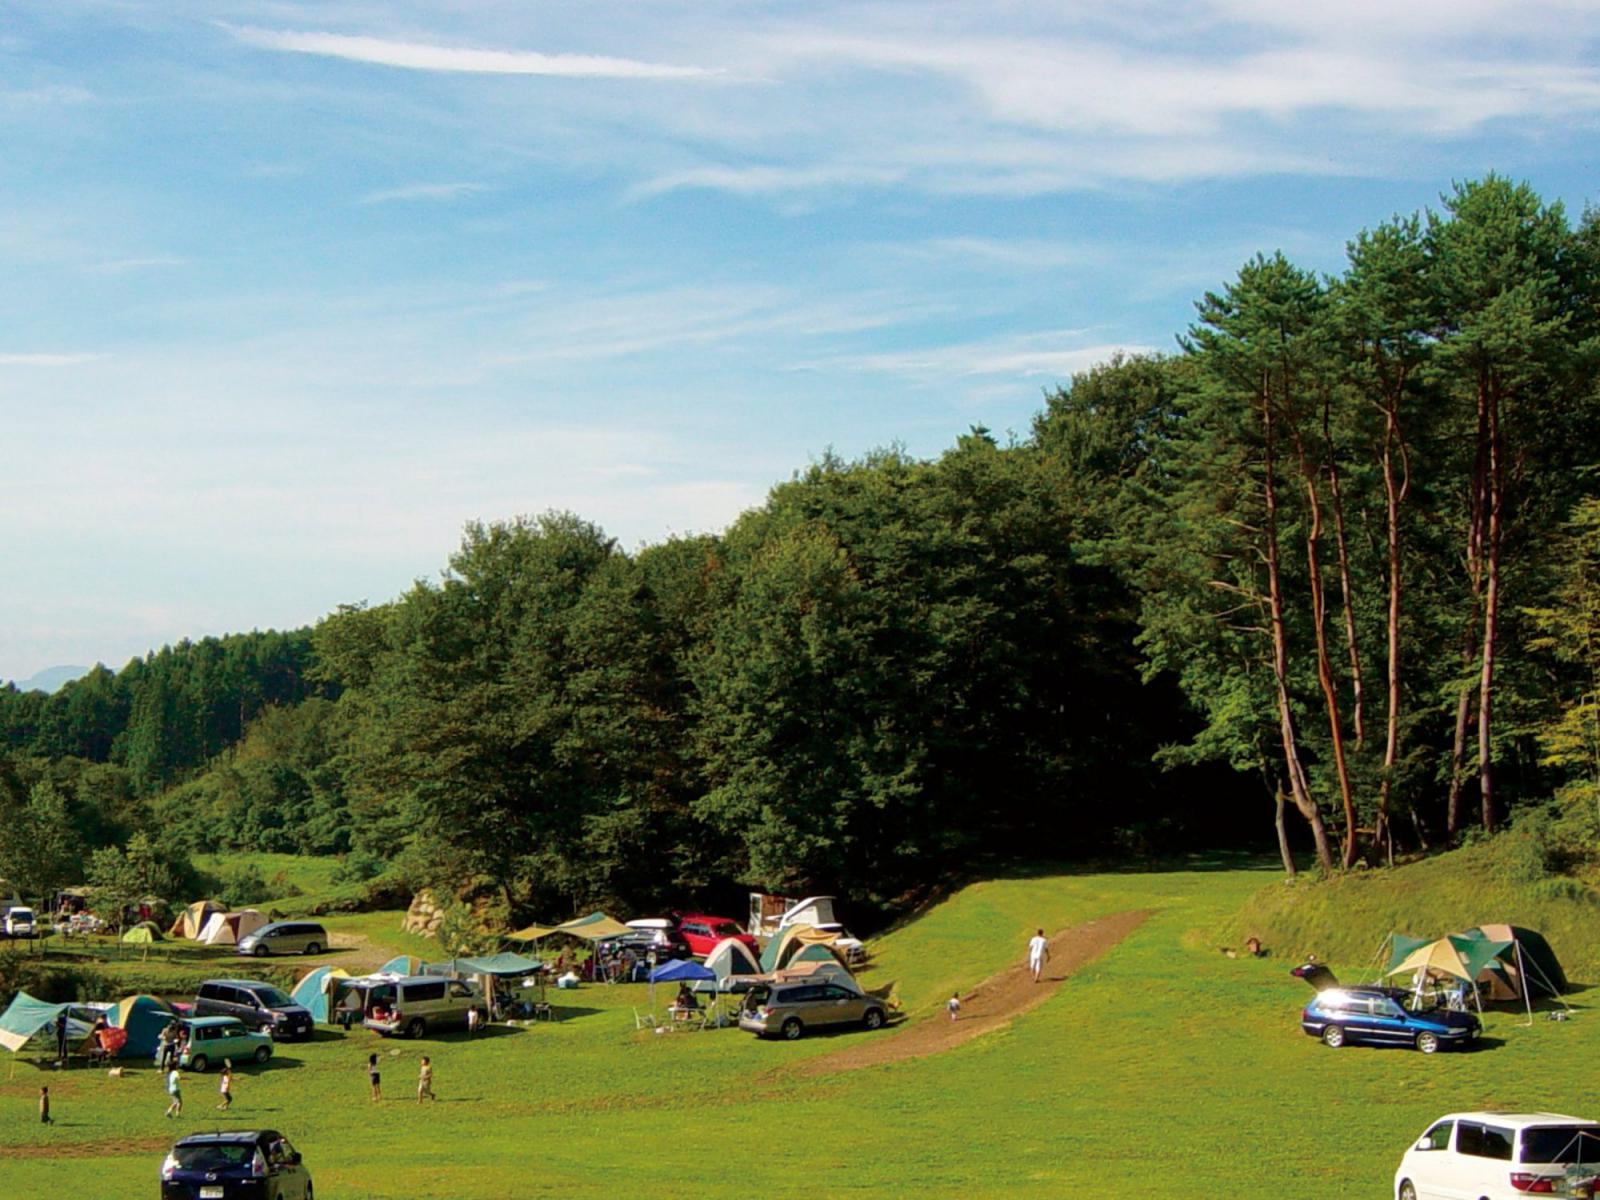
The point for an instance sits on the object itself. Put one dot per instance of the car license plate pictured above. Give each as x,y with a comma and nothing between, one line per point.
212,1193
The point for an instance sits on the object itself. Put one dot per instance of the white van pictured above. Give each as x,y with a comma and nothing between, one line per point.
19,922
1498,1156
417,1003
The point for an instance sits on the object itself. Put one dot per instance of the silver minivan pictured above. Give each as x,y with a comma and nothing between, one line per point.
417,1003
790,1008
285,937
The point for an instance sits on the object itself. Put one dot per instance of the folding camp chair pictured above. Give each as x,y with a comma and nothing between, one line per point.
646,1021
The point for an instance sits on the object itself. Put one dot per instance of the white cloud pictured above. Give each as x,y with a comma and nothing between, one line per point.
1023,356
425,191
120,266
422,56
747,181
45,360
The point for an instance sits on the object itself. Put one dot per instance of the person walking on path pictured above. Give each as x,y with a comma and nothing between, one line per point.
44,1107
373,1077
954,1006
61,1037
225,1085
425,1081
175,1090
1038,954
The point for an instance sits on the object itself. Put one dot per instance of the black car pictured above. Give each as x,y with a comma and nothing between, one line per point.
248,1165
259,1005
1378,1016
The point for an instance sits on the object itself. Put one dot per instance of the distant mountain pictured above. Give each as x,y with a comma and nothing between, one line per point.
50,679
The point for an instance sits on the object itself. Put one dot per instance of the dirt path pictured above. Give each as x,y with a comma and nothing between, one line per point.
990,1005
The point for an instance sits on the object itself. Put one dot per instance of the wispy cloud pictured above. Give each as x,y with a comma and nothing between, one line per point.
46,360
1023,356
424,56
120,266
748,181
424,191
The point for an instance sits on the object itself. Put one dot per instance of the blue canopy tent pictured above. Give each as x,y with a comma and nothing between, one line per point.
677,970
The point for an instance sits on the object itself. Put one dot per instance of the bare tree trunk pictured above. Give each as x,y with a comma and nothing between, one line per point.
1491,616
1300,791
1346,590
1475,538
1284,852
1330,693
1394,494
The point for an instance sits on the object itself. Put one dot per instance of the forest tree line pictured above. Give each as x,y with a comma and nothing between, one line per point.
1330,568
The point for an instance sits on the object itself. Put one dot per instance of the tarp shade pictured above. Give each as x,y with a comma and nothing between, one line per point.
593,928
681,969
533,933
500,965
28,1016
1455,957
1400,947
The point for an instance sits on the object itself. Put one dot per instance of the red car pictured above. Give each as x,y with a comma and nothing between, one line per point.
703,932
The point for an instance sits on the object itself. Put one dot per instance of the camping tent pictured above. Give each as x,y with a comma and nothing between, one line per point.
193,919
28,1017
318,992
402,965
145,932
142,1018
225,929
1526,967
832,971
786,944
732,963
812,952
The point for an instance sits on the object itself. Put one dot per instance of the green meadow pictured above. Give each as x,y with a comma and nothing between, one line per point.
1165,1067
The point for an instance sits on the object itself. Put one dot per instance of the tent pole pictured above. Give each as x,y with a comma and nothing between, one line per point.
1522,970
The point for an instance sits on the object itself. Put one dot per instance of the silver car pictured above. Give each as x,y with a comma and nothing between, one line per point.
285,937
790,1009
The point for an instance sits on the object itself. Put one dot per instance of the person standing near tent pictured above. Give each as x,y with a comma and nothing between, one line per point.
425,1081
225,1085
61,1037
175,1090
44,1107
1038,954
374,1078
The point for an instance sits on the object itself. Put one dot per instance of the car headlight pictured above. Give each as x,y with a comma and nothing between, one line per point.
168,1166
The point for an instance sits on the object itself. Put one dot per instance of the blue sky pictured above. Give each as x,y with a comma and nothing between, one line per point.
291,291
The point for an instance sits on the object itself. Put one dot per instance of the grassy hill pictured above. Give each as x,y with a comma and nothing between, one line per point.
1345,919
1163,1066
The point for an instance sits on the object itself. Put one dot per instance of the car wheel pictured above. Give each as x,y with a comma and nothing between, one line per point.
1332,1035
792,1028
259,950
416,1027
198,1063
263,1053
1408,1190
1427,1042
873,1019
313,948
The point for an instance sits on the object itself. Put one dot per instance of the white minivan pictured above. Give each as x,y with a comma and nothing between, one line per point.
1498,1156
19,922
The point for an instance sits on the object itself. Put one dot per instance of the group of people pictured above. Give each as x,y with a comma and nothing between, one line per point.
424,1079
99,1042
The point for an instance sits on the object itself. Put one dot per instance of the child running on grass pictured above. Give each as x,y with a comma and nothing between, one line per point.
373,1078
175,1090
425,1081
44,1107
225,1085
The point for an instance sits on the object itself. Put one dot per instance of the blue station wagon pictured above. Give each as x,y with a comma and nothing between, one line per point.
1378,1016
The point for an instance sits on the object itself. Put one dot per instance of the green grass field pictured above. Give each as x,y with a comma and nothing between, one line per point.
1163,1068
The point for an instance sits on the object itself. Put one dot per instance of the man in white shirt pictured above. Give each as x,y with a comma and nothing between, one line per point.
1038,954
